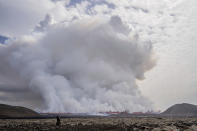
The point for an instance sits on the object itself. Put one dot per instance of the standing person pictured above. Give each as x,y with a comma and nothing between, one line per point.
58,123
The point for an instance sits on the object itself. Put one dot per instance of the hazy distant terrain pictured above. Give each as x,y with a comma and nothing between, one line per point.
183,110
174,118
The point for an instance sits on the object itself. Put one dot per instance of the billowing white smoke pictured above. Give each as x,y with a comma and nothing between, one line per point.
83,67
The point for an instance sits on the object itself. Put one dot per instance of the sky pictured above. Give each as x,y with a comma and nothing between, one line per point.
162,70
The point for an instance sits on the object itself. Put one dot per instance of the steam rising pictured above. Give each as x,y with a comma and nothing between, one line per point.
82,67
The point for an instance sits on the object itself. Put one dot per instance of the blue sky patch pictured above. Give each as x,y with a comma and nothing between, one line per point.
3,39
92,3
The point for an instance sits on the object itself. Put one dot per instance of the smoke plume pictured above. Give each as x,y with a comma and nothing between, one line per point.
82,67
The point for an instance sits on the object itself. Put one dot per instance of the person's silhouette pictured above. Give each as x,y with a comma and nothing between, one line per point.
58,123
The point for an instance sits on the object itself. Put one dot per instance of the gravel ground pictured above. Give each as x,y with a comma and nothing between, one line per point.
100,124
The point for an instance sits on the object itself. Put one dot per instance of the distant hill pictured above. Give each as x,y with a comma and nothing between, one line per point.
7,111
183,109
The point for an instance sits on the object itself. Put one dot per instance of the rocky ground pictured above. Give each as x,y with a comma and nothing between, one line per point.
100,124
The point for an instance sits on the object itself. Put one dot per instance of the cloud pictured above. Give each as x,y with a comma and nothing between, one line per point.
169,25
83,67
20,17
42,26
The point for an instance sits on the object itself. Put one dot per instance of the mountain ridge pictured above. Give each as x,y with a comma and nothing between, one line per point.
9,111
183,109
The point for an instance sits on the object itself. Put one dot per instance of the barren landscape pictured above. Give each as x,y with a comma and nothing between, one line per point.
100,123
98,65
